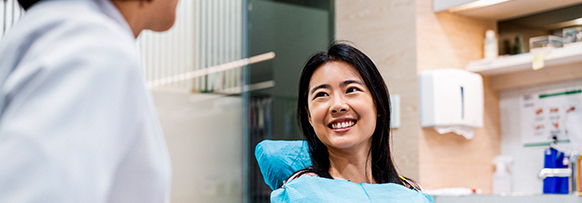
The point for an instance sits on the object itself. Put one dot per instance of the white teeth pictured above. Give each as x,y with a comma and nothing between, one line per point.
342,125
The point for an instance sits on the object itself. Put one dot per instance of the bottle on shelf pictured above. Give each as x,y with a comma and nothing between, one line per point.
518,46
490,45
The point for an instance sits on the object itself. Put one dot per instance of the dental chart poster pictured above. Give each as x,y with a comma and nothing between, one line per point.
544,116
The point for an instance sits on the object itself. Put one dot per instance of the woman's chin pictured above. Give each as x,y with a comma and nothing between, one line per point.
342,143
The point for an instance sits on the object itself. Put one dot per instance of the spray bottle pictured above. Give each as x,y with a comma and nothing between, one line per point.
501,181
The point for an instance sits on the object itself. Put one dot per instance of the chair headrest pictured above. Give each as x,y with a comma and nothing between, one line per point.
278,160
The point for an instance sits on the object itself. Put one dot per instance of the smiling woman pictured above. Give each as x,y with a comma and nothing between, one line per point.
346,153
344,113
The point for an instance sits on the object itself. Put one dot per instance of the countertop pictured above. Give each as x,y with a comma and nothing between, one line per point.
570,198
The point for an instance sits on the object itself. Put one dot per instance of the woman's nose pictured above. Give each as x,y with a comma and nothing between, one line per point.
339,105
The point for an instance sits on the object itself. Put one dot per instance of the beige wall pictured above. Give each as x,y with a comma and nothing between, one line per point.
404,37
385,31
446,40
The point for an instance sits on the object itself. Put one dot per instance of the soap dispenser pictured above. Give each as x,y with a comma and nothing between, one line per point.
501,181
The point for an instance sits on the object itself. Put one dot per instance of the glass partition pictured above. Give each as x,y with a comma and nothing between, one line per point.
223,79
294,30
196,72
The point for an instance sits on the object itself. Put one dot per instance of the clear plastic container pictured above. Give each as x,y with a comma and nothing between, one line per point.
544,42
572,35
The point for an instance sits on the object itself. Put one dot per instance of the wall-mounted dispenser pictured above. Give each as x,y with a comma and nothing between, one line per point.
451,100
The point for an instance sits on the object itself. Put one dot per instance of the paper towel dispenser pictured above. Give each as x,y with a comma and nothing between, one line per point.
451,98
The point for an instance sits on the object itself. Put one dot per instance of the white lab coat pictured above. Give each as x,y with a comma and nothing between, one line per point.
77,122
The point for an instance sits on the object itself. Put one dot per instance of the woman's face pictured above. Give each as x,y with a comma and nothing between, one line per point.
341,108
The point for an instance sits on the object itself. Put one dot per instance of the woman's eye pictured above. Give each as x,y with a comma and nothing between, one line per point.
352,89
320,94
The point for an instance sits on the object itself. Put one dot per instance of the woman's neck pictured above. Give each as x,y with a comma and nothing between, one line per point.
352,166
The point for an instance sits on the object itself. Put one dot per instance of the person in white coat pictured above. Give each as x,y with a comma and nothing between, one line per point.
77,122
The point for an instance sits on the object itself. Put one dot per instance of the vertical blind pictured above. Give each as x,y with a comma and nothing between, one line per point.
207,33
172,52
219,37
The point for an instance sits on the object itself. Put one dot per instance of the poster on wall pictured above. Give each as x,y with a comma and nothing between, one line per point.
544,116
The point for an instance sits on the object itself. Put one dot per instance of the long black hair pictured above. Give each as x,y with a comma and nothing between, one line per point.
383,169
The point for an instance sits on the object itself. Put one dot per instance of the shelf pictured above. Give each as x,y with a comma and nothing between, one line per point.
521,62
506,10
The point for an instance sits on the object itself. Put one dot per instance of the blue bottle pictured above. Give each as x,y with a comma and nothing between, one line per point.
555,185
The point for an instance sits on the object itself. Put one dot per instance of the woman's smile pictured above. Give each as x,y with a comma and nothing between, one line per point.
342,125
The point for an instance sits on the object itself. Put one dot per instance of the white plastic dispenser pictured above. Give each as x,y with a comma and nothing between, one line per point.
501,181
451,100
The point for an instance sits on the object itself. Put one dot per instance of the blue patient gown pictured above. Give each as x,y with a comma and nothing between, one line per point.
316,189
279,159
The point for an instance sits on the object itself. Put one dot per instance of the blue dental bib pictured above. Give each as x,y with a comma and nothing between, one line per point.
280,159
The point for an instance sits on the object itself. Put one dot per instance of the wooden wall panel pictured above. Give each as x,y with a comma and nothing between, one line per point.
404,37
447,40
385,31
